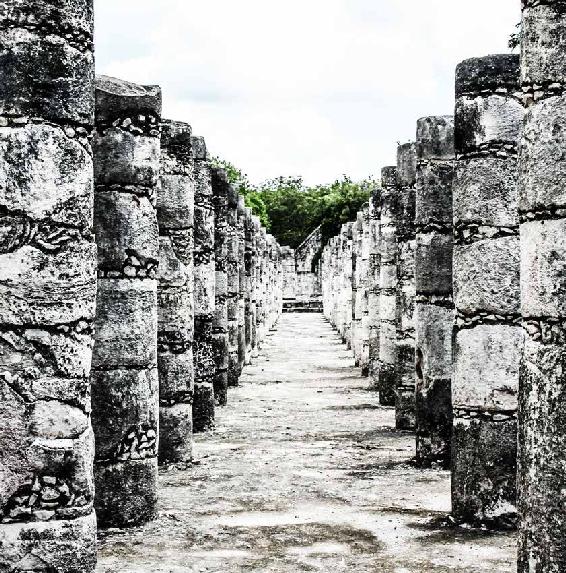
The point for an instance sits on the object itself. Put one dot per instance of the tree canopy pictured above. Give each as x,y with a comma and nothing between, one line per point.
290,210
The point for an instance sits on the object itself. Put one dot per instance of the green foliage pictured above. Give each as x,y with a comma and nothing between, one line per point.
515,38
291,210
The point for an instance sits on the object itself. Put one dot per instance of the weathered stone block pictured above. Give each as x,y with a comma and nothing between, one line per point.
434,194
486,276
486,367
433,264
126,332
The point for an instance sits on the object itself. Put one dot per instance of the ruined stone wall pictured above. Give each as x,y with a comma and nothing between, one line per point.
542,208
434,307
308,285
125,393
488,334
175,215
47,286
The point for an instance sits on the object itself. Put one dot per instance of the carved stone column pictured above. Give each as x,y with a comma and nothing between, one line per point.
387,382
175,215
488,334
434,307
125,393
243,285
406,181
220,190
374,272
542,207
47,286
233,278
204,291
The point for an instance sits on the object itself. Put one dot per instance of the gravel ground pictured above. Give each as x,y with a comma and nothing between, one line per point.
304,472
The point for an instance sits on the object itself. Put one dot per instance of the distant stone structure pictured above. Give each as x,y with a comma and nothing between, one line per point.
374,272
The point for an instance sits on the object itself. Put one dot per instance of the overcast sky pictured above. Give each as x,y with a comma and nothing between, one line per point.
317,88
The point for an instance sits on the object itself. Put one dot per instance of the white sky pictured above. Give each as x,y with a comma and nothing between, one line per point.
317,88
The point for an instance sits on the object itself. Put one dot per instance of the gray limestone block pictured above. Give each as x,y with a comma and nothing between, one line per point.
203,407
405,308
46,364
435,138
44,175
125,158
176,377
176,423
387,348
127,410
434,341
45,440
175,319
126,324
48,288
486,276
175,202
172,271
433,264
406,164
483,472
176,146
204,233
543,252
434,193
543,165
64,546
487,119
543,43
199,148
46,60
486,367
118,99
130,486
389,177
485,191
204,288
488,74
126,233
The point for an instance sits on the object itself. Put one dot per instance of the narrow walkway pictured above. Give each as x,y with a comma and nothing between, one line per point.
304,473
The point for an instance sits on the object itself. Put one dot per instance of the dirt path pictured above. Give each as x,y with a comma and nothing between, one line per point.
304,473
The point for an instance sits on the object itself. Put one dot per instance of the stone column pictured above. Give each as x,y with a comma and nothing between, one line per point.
249,261
47,286
357,288
175,216
434,307
364,283
542,207
387,380
204,291
406,181
488,335
346,297
374,286
220,190
260,284
243,285
233,278
125,393
255,288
